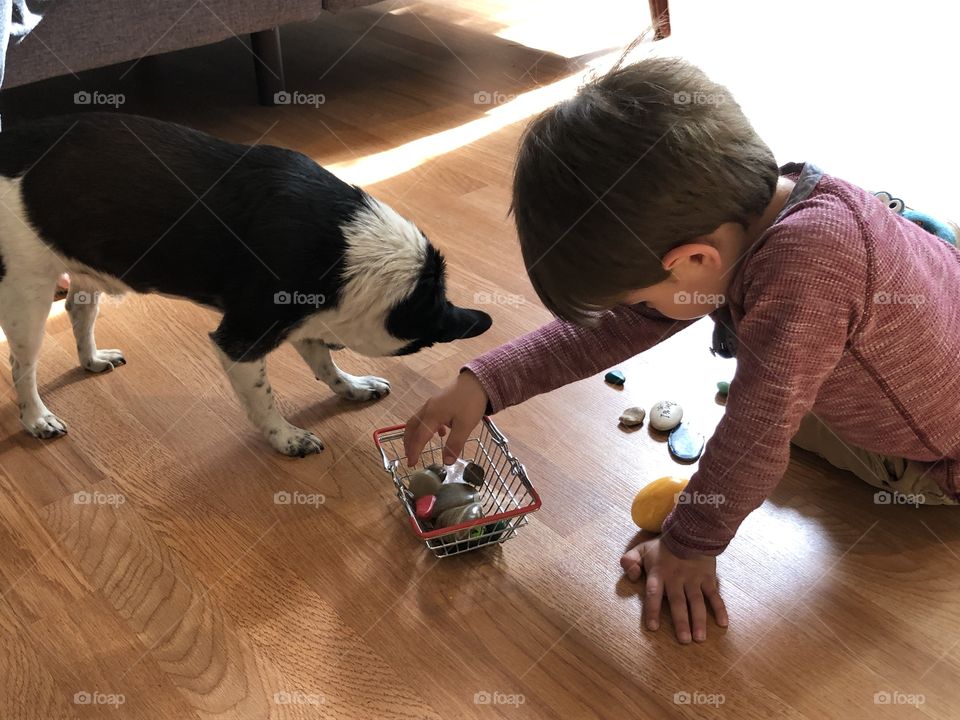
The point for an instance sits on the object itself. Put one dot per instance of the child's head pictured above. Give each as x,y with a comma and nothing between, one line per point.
618,189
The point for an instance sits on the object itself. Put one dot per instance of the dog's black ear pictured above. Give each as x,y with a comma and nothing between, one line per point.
460,323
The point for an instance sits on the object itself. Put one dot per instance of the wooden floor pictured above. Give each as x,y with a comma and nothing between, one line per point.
185,592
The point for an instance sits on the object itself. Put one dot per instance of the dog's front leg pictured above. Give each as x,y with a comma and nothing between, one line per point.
250,382
353,387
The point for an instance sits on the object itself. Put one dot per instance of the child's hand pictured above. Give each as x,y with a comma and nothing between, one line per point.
459,408
685,583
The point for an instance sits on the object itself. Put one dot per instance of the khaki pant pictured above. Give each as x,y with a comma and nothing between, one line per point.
896,475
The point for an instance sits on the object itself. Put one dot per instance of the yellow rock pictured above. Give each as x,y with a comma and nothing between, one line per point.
655,501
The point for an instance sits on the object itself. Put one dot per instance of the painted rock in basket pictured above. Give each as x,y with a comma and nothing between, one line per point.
423,507
685,443
633,416
615,377
437,469
422,483
451,495
665,415
460,514
473,474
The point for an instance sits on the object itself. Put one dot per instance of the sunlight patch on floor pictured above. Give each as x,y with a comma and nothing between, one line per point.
377,167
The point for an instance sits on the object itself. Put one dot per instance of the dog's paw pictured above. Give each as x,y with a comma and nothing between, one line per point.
366,387
104,360
46,425
295,442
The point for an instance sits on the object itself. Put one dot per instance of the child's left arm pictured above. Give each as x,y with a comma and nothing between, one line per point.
801,310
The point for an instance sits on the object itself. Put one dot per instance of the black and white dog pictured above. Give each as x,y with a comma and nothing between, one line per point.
281,247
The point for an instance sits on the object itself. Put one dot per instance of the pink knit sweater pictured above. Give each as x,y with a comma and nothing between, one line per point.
843,308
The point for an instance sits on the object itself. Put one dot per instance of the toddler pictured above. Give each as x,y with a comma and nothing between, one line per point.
648,201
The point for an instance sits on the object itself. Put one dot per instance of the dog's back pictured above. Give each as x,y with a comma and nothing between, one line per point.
106,189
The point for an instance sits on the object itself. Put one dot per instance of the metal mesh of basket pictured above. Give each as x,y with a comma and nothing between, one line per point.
506,494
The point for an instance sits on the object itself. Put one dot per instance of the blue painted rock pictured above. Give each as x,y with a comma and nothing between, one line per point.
723,387
615,377
685,443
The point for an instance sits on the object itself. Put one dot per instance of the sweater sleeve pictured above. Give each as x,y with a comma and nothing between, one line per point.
561,352
804,299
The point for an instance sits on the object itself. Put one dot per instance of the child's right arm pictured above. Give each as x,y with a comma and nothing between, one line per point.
547,358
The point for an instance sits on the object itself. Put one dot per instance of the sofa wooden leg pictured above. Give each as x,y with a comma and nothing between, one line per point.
268,64
660,16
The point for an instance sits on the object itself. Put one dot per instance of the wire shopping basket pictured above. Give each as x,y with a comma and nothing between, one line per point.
506,493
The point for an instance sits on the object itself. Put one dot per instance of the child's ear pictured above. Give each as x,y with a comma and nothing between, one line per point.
699,253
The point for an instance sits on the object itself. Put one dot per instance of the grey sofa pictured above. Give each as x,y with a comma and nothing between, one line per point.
77,35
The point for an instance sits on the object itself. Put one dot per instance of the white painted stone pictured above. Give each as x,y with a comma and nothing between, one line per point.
665,415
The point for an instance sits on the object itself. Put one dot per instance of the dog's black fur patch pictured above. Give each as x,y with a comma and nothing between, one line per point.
168,209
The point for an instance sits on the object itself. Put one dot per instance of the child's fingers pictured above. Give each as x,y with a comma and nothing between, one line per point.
417,434
712,593
652,598
698,613
680,613
459,432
